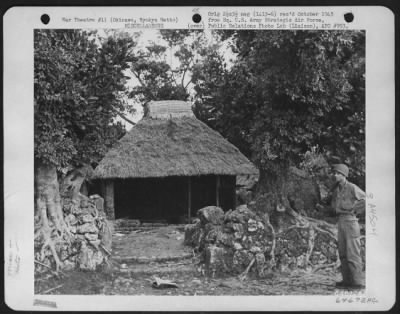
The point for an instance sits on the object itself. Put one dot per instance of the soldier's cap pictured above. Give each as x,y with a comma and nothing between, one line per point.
341,168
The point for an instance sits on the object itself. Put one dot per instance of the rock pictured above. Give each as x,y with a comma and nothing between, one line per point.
242,235
71,220
242,209
255,249
217,259
80,237
67,208
84,202
238,230
248,242
260,264
241,215
87,228
89,258
194,235
211,214
283,263
68,265
105,235
76,209
95,243
228,226
301,261
89,233
211,233
241,259
86,218
91,236
252,225
237,246
224,238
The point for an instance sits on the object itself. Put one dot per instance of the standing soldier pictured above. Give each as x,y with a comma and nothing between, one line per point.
348,200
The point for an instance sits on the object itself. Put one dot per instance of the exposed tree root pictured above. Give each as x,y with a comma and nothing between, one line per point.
51,270
105,250
49,242
55,241
243,275
273,245
311,239
323,266
50,290
313,226
50,227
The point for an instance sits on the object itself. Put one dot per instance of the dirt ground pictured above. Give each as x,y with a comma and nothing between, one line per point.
141,255
84,283
163,243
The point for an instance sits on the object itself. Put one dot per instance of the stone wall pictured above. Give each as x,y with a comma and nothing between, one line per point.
90,230
236,240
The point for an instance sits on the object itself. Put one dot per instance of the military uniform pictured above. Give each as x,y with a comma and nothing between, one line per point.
347,201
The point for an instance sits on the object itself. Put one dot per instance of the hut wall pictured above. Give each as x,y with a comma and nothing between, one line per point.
166,199
203,192
227,192
109,199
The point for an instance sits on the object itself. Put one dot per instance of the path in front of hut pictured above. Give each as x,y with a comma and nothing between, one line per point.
140,254
152,251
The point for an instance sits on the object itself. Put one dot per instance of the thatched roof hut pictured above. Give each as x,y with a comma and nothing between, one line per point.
169,142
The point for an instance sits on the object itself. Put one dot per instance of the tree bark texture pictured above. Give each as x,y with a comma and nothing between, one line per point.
50,228
70,228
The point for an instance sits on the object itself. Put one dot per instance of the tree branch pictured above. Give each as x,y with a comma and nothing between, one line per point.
185,71
124,117
243,275
52,289
136,74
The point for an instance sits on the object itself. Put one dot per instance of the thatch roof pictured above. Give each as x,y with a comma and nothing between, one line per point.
180,145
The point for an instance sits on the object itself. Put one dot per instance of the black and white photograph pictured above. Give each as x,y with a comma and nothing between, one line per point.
195,162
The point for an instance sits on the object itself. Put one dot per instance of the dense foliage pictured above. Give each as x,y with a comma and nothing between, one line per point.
274,94
78,84
286,92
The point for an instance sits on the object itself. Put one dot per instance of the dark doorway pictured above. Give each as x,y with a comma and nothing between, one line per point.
167,199
151,199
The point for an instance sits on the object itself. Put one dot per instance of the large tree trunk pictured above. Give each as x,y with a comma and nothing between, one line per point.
69,229
272,198
271,191
50,228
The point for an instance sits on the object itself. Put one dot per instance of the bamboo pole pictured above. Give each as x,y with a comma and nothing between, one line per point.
189,199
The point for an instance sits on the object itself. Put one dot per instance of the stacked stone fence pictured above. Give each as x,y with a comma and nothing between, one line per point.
92,233
242,240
